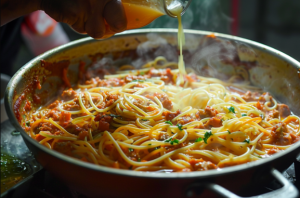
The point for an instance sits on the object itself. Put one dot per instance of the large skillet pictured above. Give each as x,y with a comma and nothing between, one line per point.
268,68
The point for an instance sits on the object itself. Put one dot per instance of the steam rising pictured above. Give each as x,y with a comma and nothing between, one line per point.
201,15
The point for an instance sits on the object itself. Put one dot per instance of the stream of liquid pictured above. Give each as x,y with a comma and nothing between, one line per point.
176,8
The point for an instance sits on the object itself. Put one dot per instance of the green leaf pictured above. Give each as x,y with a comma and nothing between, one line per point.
139,159
228,131
113,115
176,141
169,122
142,73
179,127
130,149
27,123
244,114
231,109
247,140
144,120
141,81
199,139
149,144
207,135
172,142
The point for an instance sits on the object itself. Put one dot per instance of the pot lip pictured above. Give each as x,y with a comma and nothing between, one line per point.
197,174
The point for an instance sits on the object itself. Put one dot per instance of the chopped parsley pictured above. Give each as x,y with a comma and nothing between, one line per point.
244,114
247,140
172,141
169,122
144,120
149,144
130,149
139,159
27,123
179,127
142,73
199,139
141,81
113,115
156,148
231,109
207,135
228,131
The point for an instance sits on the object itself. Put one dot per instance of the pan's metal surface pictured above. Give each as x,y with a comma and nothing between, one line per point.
272,70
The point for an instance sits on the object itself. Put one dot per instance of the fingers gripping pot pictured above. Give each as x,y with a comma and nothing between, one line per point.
218,57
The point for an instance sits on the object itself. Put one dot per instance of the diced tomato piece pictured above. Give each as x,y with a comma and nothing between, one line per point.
65,118
39,137
82,135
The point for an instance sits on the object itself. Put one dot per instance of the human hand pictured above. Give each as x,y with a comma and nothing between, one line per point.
96,18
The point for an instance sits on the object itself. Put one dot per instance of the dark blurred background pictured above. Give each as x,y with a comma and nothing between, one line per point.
275,23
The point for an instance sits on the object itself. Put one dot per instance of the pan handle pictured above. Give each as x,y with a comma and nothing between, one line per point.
288,190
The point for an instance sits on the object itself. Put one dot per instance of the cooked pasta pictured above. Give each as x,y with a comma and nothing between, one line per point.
142,120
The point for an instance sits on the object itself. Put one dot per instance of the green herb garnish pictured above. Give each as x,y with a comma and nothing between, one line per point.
169,122
179,127
174,141
231,109
228,131
149,144
113,115
139,159
207,135
247,140
130,149
27,123
141,81
199,139
144,120
142,73
244,114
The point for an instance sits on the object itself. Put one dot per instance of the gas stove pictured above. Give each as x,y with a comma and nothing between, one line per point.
41,184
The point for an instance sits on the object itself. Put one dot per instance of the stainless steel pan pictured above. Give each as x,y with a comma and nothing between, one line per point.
267,68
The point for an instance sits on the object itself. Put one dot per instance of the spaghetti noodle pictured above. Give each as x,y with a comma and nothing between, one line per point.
142,121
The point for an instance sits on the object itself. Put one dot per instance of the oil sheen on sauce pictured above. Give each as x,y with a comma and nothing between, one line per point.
176,8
